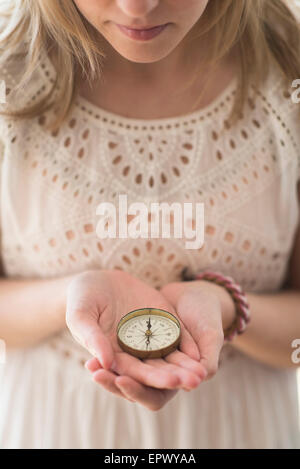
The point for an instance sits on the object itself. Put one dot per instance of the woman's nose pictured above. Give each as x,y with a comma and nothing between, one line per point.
136,8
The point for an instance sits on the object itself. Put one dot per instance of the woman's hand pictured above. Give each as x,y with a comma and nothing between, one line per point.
206,310
97,300
128,388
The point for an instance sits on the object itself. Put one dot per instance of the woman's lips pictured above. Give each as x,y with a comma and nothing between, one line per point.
142,34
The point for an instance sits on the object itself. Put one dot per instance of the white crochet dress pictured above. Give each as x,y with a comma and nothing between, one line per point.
51,184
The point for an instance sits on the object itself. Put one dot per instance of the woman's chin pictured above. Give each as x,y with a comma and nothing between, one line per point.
140,53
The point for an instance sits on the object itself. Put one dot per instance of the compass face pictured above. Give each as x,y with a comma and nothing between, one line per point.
149,333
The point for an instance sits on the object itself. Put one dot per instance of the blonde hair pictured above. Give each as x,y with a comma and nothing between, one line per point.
262,31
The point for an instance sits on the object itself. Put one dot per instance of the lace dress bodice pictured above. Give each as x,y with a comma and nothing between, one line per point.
246,176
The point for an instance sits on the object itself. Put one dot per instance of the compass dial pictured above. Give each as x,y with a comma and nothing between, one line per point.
149,333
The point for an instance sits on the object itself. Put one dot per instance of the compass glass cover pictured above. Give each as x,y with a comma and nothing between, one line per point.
164,332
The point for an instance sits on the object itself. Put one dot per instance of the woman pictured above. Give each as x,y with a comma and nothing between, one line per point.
91,114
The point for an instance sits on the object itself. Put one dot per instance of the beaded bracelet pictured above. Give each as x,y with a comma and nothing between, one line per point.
241,304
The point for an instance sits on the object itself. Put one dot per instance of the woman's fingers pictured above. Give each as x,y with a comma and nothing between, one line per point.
93,365
153,399
188,379
190,372
123,386
182,360
107,380
86,330
145,373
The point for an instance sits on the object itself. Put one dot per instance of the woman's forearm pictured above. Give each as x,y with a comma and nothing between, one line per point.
31,310
274,325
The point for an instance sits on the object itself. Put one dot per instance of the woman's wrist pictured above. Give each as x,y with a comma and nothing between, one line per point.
60,288
227,304
242,314
32,310
228,307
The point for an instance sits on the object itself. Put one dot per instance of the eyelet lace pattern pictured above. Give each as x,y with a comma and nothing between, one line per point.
246,177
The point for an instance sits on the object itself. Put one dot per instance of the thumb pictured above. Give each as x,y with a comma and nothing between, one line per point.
188,344
89,334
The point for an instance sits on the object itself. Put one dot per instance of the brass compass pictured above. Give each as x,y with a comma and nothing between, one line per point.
148,333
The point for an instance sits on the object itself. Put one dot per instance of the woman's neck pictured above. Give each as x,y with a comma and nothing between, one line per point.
143,96
176,64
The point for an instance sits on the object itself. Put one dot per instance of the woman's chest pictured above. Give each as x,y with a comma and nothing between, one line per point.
53,185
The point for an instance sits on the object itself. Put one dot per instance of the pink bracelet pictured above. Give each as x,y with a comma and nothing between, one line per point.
241,304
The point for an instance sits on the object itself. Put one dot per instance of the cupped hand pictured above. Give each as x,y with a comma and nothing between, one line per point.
128,388
206,310
97,300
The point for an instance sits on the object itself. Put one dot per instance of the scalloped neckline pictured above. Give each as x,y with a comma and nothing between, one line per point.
96,112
